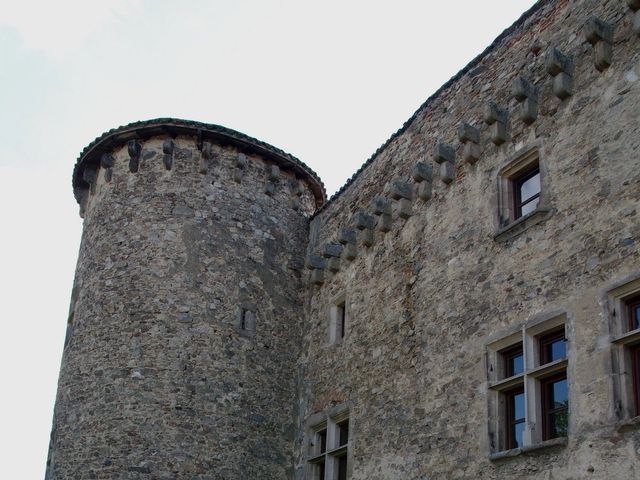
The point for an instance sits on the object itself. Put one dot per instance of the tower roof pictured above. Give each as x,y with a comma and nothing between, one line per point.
142,130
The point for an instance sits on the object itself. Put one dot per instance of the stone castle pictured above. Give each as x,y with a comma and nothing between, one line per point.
467,306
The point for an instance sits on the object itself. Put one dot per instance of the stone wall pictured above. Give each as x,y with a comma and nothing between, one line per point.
185,321
426,297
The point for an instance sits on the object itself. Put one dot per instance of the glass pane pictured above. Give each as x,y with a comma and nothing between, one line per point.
344,433
559,424
516,365
530,188
636,317
321,471
557,349
517,434
530,207
322,437
342,468
560,394
518,406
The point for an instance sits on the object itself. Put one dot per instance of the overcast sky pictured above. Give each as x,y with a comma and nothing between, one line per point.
327,81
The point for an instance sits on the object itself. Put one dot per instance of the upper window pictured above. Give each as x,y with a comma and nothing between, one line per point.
527,192
522,194
528,387
338,321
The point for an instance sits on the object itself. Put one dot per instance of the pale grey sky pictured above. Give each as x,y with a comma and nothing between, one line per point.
326,81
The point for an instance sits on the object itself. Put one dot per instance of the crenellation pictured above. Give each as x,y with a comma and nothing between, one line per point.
496,117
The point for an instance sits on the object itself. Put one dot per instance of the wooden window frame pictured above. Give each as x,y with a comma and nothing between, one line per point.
547,339
508,354
509,417
328,459
547,409
517,186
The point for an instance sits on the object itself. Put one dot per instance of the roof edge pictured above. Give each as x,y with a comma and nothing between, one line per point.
90,155
473,63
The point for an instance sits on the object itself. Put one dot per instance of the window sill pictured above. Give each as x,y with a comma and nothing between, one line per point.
522,224
629,338
529,449
628,424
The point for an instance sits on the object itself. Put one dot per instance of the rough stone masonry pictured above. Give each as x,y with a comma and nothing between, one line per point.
228,322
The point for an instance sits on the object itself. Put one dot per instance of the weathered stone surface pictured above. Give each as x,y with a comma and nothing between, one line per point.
385,223
443,153
557,62
447,172
468,133
381,206
350,252
425,191
315,262
597,30
347,235
471,152
400,189
422,172
563,86
492,113
404,208
363,221
332,250
603,55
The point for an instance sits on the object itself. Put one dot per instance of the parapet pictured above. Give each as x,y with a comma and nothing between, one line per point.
90,158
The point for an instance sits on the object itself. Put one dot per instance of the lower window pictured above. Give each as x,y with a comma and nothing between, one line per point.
555,406
329,448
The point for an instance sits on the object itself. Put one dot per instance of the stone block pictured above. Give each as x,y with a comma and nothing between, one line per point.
207,151
363,221
499,133
443,153
350,251
296,187
273,173
167,146
471,152
315,262
556,62
332,250
381,206
108,174
596,30
528,110
404,207
422,172
296,204
270,188
385,223
447,172
400,189
203,166
492,113
521,89
366,237
468,133
241,161
563,86
89,175
347,236
425,189
602,55
333,264
634,5
237,175
106,160
134,148
317,277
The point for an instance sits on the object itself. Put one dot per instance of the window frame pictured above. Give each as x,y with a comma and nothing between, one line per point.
335,461
518,182
501,386
547,408
338,320
619,304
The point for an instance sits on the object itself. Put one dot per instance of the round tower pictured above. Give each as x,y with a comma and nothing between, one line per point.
185,317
